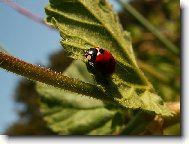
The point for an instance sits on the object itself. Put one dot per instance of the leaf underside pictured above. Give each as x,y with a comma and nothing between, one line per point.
91,23
68,113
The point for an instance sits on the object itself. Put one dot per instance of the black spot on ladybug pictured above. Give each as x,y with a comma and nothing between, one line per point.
111,60
101,51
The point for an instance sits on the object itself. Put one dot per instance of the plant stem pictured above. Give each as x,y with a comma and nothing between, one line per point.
169,45
50,77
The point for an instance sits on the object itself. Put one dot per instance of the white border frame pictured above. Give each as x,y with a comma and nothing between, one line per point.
184,139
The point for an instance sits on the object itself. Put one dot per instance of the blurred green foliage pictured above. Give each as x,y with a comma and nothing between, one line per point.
165,16
160,66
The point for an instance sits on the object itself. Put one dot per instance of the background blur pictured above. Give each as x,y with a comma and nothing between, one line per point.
37,44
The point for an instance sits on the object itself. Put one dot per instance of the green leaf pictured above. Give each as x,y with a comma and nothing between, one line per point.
67,113
90,23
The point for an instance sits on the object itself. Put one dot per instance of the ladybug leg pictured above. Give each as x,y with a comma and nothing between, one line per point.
90,68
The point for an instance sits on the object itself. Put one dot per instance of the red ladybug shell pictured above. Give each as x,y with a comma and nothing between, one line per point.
102,59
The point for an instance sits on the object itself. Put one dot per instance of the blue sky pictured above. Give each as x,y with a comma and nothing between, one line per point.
27,40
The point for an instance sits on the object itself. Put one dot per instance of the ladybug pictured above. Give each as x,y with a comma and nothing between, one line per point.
103,60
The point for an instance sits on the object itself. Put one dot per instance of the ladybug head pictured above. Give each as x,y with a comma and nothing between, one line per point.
91,54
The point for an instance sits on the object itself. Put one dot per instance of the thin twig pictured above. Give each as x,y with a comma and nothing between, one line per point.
153,71
24,12
169,45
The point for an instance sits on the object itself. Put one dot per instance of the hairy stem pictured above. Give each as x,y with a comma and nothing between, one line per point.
50,77
169,45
